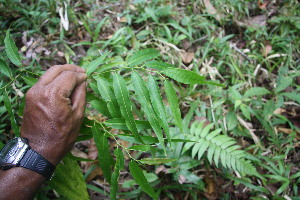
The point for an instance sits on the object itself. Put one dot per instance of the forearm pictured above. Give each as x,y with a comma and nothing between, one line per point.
19,184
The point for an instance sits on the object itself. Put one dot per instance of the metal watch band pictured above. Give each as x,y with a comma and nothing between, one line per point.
35,162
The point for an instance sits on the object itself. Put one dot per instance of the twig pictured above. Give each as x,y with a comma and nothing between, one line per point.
254,137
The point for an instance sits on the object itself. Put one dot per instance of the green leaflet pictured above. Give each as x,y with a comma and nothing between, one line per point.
147,139
184,76
283,83
144,98
231,120
156,161
108,96
121,124
101,107
4,69
122,96
7,104
256,91
11,49
174,105
68,180
141,180
158,106
29,80
95,63
115,176
293,96
142,56
142,147
104,152
159,65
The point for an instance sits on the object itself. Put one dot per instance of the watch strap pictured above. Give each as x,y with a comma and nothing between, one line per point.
35,162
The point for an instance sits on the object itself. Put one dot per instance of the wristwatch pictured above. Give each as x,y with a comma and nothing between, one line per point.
18,153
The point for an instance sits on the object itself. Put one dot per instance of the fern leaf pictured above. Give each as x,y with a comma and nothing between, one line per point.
220,148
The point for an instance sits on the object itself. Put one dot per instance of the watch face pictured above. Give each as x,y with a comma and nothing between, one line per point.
12,153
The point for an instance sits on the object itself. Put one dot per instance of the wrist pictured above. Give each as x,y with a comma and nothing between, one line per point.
47,152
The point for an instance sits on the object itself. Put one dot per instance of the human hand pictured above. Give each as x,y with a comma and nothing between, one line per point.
54,111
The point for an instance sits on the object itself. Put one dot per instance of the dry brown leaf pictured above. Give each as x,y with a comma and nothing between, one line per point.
278,111
160,168
212,10
187,57
96,172
201,119
257,21
263,4
181,179
122,19
211,190
267,48
292,113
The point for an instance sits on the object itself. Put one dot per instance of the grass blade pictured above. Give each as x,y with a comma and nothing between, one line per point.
7,104
122,96
174,105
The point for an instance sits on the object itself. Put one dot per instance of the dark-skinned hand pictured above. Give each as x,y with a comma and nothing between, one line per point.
52,118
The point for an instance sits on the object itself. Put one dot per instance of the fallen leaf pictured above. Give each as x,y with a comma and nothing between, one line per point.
122,19
211,190
212,10
181,179
200,119
267,48
257,21
96,172
262,4
278,111
187,57
160,168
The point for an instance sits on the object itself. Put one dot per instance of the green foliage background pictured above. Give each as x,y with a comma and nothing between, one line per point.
205,94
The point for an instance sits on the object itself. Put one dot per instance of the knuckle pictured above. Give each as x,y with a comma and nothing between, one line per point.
30,94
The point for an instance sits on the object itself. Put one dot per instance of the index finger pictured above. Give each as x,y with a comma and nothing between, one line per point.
56,70
67,81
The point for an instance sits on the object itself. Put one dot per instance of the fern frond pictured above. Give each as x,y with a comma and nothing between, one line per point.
220,149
